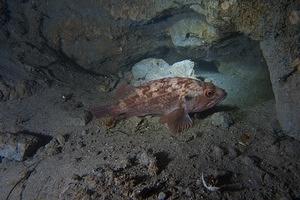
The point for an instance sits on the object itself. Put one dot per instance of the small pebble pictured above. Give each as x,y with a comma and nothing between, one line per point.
162,196
218,152
232,152
188,192
221,119
84,132
61,139
149,160
124,163
225,5
294,17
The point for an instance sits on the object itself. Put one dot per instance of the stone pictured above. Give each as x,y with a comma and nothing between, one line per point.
52,148
149,68
91,181
84,132
221,119
124,163
153,168
188,192
162,196
134,121
284,83
193,32
61,140
218,152
80,118
149,160
152,69
183,68
232,152
144,158
18,146
294,17
225,5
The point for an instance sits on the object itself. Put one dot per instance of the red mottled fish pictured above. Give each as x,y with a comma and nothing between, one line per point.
171,98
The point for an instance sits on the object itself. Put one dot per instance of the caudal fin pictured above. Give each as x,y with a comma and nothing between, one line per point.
104,111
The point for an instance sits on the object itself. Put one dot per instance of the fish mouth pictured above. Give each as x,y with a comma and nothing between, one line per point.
222,98
217,101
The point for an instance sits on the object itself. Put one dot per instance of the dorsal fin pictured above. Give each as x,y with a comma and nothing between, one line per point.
123,90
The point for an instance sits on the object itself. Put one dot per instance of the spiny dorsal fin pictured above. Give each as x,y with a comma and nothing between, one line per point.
123,90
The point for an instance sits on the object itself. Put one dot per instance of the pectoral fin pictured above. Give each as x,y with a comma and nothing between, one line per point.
177,120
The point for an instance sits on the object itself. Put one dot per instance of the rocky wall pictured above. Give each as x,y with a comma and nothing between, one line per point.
281,51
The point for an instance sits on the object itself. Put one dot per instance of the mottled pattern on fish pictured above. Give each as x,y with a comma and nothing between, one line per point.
157,97
173,98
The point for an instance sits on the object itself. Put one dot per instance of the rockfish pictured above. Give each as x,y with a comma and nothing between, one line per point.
171,98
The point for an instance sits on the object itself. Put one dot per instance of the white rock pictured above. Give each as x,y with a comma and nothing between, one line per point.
183,68
146,68
153,69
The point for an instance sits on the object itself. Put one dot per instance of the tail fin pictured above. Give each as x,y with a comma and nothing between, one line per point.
104,111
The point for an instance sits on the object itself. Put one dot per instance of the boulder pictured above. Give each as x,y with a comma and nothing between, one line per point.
192,32
18,146
153,69
281,53
285,85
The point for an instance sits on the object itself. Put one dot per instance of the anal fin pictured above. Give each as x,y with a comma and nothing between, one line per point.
177,120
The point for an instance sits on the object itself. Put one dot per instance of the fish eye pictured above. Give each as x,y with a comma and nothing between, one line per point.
209,93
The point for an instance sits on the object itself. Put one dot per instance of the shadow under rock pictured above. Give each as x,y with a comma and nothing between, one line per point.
220,108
